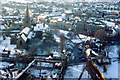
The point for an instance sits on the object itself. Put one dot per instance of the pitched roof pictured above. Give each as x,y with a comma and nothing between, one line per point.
30,35
25,30
24,37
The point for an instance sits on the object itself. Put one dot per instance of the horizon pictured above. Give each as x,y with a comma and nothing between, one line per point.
24,1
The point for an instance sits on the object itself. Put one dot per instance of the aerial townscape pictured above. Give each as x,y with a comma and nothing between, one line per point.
59,39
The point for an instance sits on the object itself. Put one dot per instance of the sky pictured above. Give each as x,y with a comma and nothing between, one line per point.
59,0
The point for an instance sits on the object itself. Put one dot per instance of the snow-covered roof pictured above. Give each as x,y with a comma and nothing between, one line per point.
46,26
24,37
2,27
0,16
15,52
47,72
6,44
76,41
10,17
4,64
1,19
15,31
57,39
109,24
30,35
40,27
45,64
36,28
84,37
63,15
68,11
56,13
53,21
25,30
58,18
56,54
64,32
83,14
17,22
42,16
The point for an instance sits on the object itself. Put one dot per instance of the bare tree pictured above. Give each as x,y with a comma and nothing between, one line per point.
108,50
62,42
56,31
101,34
32,50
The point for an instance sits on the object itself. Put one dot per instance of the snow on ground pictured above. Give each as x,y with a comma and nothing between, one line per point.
35,72
112,70
6,43
75,71
113,51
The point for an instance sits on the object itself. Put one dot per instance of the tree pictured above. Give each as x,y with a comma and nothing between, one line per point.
32,50
47,42
48,38
101,34
62,42
104,68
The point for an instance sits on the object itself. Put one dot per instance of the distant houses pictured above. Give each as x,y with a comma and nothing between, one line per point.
41,27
